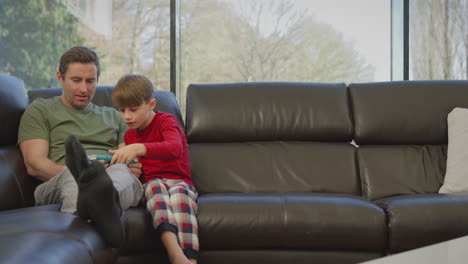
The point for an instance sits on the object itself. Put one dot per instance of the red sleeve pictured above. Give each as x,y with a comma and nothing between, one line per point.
126,138
171,146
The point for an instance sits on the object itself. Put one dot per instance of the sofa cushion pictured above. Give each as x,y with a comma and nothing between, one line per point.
16,187
14,100
265,111
54,227
401,169
277,256
456,176
274,167
405,112
420,220
290,221
139,231
42,248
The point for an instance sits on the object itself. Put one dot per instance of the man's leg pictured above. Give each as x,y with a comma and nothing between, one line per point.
97,198
128,186
62,188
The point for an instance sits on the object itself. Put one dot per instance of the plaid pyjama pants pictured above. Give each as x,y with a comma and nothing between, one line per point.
172,205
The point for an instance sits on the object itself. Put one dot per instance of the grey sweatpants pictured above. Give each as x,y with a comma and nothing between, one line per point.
62,188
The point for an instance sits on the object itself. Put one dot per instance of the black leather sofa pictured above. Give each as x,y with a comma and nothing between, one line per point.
278,177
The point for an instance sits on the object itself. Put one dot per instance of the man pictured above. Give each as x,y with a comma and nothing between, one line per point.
44,131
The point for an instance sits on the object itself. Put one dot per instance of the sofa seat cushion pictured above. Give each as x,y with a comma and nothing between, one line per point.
139,231
42,208
42,248
420,220
290,221
53,228
278,256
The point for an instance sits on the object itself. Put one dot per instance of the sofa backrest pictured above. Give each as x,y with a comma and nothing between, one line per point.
16,188
271,137
166,101
401,130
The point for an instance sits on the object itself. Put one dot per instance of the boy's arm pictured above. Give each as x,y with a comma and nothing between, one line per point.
35,153
170,148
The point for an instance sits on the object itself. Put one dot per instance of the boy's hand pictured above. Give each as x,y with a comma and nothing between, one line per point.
127,154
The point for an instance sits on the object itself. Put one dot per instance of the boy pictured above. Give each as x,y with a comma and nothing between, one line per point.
159,143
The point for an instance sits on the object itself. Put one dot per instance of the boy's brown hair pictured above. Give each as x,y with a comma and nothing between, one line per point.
132,90
78,54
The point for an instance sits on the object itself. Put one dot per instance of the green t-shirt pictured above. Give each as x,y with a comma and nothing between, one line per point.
99,128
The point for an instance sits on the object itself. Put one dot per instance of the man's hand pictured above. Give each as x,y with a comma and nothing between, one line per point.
135,168
106,165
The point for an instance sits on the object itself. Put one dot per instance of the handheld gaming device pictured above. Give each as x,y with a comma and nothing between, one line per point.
107,158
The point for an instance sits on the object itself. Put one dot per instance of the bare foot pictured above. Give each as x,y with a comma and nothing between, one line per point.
174,251
180,259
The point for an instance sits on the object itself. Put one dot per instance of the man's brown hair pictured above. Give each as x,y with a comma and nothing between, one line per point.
132,90
78,54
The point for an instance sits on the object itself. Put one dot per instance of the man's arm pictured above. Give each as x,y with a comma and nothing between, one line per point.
35,153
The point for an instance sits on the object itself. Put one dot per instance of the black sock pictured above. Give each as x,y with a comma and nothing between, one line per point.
97,198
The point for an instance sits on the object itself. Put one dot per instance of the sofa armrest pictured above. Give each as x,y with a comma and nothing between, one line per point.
16,186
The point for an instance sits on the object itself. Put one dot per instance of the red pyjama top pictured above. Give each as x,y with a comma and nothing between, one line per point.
166,149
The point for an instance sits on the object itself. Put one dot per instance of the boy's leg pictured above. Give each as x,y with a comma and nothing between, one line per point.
183,199
157,203
174,251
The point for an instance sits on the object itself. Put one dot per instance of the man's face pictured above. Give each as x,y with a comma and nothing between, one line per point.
78,84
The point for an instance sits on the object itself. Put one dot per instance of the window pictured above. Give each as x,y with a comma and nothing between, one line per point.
130,36
235,40
438,39
284,40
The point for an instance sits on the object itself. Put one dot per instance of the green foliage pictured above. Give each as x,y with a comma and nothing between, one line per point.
33,35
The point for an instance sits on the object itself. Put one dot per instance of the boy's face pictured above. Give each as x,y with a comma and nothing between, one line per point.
78,84
138,117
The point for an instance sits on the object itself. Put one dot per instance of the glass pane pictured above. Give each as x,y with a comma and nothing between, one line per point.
130,36
284,40
438,39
